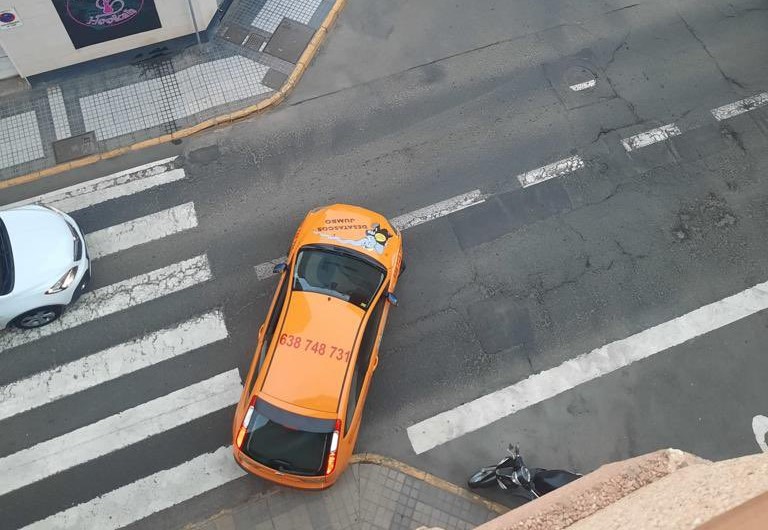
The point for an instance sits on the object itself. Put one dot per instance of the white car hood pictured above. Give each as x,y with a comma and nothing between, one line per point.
41,244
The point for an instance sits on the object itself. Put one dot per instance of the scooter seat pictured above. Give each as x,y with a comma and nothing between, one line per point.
550,479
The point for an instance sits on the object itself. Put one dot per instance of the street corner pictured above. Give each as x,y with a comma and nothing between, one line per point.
81,110
376,491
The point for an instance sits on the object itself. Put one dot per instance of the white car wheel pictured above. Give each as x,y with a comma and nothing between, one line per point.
37,317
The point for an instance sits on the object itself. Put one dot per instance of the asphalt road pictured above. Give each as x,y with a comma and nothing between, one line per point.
412,103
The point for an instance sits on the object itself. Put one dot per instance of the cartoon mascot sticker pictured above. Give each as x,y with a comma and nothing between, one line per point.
375,239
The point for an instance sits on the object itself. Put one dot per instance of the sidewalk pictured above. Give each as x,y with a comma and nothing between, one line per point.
251,60
374,493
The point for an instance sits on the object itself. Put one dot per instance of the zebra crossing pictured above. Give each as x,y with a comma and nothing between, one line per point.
22,470
99,440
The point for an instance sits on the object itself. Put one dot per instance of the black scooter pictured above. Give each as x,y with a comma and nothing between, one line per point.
512,474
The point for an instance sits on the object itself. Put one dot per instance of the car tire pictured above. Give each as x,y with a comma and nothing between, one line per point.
402,266
37,317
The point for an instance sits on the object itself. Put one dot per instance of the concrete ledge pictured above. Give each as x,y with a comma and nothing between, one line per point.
688,498
594,492
751,515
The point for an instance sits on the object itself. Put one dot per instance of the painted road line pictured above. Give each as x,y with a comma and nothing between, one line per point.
550,171
653,136
487,409
440,209
740,107
142,230
149,495
402,222
112,186
117,297
583,86
46,387
119,431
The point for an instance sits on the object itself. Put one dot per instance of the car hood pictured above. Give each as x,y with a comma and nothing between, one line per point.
41,244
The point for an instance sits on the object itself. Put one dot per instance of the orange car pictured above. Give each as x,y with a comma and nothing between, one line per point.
302,404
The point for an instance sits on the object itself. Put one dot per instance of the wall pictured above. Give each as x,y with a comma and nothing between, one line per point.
7,69
42,44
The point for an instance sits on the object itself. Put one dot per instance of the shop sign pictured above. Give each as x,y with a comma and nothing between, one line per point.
90,22
9,19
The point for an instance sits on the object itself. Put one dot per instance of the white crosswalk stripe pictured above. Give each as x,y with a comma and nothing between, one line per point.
119,431
113,186
48,386
149,495
117,297
142,230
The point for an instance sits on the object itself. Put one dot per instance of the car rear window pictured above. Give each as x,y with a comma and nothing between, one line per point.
337,274
6,261
288,442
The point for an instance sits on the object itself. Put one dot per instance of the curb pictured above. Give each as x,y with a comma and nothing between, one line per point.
301,66
432,480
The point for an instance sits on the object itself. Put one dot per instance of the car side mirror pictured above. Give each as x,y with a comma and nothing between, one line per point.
280,268
392,299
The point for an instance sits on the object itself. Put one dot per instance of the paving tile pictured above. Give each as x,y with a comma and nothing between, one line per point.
251,514
274,11
289,40
22,139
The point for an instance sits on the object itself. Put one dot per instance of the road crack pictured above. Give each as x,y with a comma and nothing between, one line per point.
728,78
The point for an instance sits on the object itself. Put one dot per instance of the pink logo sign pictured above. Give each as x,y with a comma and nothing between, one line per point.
103,13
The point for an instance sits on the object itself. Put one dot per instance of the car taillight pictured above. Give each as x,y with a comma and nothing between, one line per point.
334,446
244,427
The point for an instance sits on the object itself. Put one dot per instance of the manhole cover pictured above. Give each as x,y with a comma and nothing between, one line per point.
579,78
75,147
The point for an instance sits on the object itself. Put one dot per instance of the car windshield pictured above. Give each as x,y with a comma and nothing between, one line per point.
288,442
6,261
337,274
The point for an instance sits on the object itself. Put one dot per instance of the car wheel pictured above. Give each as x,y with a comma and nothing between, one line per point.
37,317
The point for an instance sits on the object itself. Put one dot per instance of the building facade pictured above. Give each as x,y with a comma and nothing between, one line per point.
39,36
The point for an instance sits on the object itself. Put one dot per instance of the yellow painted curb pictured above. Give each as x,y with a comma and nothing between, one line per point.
370,458
274,99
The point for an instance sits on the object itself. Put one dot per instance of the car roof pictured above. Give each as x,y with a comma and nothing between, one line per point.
303,376
352,227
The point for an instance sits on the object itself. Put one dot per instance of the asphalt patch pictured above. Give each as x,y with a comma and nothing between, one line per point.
501,324
509,212
204,155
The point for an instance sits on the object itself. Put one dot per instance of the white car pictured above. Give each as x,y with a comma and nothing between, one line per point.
44,265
